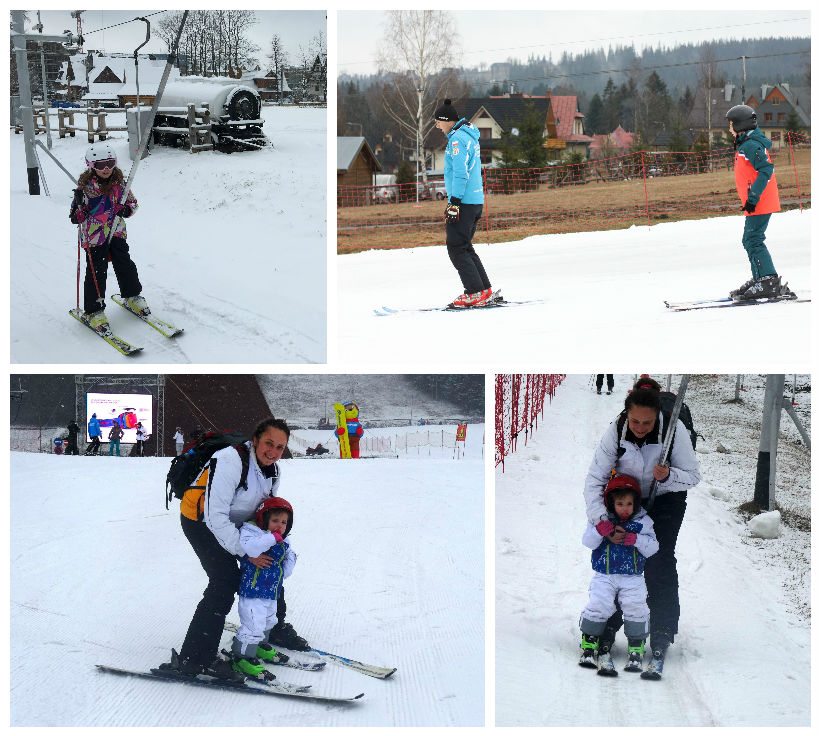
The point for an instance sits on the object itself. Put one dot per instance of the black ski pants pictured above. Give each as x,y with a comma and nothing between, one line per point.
124,269
94,447
660,572
459,238
600,381
201,643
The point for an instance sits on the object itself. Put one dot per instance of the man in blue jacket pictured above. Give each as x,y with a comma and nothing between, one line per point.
95,433
463,182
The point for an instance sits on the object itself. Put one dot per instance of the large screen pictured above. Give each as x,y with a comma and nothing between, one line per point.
123,409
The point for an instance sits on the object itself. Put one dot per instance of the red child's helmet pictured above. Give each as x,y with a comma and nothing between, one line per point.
271,504
621,482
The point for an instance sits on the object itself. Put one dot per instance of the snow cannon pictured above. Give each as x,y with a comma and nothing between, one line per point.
235,113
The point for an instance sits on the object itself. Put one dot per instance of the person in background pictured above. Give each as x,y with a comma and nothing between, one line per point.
73,433
95,433
115,434
600,382
179,440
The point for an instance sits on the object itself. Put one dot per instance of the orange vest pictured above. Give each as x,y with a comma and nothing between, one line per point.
745,175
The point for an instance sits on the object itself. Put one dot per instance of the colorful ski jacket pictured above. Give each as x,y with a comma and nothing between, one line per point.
639,460
755,173
463,167
608,558
95,229
263,582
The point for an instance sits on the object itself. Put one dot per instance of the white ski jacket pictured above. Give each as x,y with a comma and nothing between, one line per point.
639,462
228,507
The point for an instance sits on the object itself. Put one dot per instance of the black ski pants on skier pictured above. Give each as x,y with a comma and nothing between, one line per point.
459,238
124,269
660,572
201,643
600,381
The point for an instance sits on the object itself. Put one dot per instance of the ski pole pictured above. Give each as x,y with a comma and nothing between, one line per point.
668,441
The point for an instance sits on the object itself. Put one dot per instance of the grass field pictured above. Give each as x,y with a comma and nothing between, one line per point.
593,206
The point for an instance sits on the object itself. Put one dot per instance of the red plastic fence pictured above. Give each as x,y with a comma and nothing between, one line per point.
387,212
520,399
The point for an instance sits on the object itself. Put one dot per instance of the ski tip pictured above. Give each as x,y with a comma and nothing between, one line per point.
650,676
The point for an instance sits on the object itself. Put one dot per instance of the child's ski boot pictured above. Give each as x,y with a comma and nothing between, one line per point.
606,666
635,655
252,668
267,653
590,651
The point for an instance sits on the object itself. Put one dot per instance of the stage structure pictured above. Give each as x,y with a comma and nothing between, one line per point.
154,385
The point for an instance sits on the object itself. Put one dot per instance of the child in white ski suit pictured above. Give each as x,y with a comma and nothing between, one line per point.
619,566
260,586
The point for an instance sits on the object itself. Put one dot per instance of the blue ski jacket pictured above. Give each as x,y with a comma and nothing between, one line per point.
620,559
94,428
463,167
263,582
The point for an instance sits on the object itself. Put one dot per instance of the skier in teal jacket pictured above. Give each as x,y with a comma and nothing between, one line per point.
463,183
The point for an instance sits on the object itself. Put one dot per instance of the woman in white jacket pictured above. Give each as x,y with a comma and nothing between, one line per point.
633,445
239,478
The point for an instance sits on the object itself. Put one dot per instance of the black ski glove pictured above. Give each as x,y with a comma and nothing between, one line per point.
452,210
748,207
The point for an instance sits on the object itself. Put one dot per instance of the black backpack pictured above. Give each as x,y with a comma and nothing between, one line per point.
186,468
668,399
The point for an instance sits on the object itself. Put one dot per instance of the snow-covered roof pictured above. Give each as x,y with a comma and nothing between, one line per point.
102,91
148,84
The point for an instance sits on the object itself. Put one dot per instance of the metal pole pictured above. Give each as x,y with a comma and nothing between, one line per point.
668,440
738,387
45,95
764,492
137,74
56,161
24,85
798,425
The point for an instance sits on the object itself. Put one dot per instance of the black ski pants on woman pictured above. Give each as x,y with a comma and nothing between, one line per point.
202,640
459,238
660,572
124,269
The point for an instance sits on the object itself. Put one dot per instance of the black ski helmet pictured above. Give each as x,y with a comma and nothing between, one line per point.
743,117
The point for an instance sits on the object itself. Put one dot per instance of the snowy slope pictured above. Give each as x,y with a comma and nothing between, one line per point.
591,284
742,654
390,571
230,247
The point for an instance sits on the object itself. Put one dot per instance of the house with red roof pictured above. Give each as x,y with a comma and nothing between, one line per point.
616,143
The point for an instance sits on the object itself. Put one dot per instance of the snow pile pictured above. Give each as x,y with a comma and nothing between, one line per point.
735,590
593,284
766,526
390,572
230,247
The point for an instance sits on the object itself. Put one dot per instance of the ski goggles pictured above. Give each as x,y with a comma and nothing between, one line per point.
104,164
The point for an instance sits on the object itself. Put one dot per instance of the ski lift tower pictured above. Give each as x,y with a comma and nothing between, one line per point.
78,14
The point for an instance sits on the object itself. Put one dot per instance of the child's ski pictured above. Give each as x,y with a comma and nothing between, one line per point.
275,687
121,346
166,329
372,670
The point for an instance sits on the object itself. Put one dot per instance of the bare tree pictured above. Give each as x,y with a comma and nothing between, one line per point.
278,58
418,45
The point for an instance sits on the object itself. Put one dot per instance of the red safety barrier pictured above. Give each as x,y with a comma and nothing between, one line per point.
520,399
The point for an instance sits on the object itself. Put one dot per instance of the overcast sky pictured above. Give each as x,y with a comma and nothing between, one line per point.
295,28
491,36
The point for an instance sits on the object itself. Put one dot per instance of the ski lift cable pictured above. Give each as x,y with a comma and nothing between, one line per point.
132,20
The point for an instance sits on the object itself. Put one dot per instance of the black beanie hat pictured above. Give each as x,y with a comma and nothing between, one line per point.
447,112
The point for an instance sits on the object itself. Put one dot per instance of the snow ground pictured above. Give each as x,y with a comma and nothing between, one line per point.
231,247
390,571
590,284
742,657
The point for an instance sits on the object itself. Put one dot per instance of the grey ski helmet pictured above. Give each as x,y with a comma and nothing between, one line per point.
743,117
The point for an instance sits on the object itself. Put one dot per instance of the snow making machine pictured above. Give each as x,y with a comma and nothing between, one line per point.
192,109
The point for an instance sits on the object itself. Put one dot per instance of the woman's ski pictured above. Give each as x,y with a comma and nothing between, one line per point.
254,687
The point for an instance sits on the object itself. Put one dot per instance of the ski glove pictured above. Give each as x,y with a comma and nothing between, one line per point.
77,213
629,539
605,527
123,210
452,210
748,207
